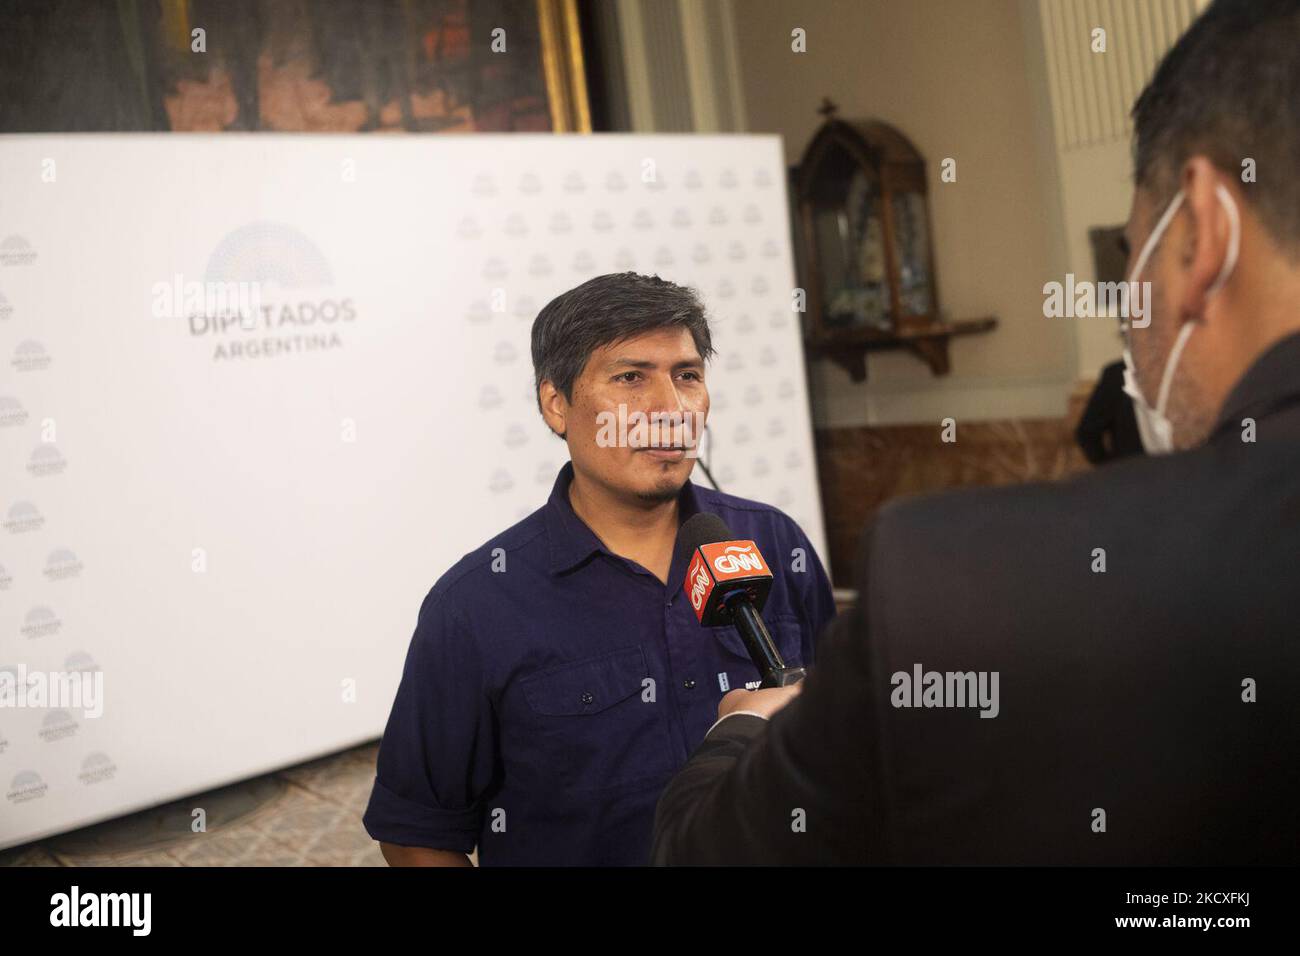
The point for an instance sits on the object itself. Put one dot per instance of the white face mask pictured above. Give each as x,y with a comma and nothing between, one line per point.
1154,426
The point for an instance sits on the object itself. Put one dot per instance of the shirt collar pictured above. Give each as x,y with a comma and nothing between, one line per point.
1272,380
572,542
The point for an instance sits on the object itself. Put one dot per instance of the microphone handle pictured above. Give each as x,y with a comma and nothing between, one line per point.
758,642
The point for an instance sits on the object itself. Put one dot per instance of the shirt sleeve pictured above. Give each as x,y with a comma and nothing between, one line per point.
438,752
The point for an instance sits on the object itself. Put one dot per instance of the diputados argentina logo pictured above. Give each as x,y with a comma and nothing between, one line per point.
267,291
131,910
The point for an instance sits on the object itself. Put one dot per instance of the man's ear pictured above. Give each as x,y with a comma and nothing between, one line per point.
555,408
1206,248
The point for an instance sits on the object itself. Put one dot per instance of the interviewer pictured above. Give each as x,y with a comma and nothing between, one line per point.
1115,658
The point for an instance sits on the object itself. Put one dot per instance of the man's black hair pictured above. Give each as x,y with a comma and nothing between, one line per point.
1229,89
607,309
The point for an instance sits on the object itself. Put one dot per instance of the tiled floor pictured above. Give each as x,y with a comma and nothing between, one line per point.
308,815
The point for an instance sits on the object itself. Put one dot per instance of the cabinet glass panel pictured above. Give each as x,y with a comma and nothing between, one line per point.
914,282
850,244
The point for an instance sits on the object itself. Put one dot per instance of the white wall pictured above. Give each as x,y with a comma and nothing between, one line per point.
1087,125
1038,125
954,77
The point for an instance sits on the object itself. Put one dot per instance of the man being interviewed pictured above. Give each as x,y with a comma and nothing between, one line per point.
558,676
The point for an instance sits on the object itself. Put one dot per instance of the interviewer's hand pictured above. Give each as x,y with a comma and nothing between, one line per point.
766,701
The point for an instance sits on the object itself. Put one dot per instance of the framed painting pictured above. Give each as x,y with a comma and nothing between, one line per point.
292,65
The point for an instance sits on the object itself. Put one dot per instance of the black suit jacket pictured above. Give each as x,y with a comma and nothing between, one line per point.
1108,426
1122,735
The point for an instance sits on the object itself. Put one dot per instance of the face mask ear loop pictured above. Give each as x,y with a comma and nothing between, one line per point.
1234,240
1161,225
1171,364
1229,263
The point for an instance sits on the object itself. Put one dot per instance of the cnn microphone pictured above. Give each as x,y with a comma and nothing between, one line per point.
727,582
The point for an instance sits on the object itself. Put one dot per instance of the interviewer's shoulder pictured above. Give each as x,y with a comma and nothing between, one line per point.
940,524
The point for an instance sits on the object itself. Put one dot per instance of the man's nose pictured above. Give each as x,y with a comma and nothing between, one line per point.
665,399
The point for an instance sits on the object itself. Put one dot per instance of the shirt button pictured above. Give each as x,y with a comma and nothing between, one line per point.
689,685
587,698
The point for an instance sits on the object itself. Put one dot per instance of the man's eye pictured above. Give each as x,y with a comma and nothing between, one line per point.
693,376
628,377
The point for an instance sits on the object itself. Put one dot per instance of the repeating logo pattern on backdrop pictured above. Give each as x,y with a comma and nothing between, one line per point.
570,226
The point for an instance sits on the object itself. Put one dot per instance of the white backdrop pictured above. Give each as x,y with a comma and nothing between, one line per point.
230,525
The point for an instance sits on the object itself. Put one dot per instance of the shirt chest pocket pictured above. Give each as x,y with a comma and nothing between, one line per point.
733,658
600,721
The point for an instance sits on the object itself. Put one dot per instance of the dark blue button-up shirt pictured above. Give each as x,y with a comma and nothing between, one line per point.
552,687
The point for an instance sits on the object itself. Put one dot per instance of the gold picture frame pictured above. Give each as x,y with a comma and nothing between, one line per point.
562,63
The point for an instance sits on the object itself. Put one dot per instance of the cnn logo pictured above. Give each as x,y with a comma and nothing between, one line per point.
738,559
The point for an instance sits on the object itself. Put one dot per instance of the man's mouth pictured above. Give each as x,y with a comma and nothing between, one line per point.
665,452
